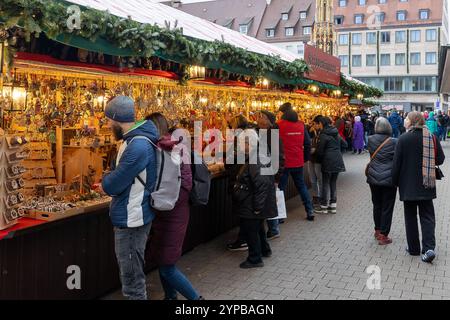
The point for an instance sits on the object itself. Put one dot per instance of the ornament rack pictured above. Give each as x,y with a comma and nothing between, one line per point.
39,165
12,154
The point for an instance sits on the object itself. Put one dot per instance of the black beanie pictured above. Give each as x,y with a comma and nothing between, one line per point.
286,107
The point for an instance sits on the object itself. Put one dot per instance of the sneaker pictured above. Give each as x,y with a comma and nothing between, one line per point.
322,209
384,240
332,208
271,236
429,256
280,221
248,265
310,218
237,246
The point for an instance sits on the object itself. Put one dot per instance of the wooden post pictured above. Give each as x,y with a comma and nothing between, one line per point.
59,154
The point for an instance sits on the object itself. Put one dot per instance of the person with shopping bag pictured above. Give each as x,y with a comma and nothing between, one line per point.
254,200
266,121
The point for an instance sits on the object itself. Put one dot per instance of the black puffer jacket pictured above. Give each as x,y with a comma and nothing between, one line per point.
260,200
380,168
328,152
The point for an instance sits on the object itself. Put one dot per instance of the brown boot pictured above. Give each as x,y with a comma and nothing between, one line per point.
377,234
384,240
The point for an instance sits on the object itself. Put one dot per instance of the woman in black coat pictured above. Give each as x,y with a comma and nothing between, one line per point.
254,200
416,155
329,155
379,177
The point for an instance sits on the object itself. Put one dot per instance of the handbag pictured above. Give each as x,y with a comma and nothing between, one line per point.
241,191
375,154
439,173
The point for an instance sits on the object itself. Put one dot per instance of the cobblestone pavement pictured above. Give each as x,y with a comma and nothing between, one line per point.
326,259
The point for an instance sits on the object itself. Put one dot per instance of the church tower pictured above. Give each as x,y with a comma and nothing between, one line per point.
323,35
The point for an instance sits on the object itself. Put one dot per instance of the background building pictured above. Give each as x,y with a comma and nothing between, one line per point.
393,45
285,23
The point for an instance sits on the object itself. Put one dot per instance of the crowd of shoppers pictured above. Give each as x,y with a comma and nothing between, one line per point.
404,155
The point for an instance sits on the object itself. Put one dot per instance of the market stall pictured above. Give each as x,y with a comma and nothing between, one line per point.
55,145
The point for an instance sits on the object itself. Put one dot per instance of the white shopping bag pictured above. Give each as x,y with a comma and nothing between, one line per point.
281,205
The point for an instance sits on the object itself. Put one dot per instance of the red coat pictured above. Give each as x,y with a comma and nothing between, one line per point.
292,135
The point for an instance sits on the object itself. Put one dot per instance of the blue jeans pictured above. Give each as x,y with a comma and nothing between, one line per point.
130,247
174,280
299,181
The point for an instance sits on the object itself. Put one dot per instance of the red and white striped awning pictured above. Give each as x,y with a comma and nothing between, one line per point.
148,11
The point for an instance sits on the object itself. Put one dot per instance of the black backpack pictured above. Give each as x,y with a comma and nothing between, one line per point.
201,181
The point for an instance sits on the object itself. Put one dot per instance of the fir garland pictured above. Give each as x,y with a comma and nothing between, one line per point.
50,16
354,88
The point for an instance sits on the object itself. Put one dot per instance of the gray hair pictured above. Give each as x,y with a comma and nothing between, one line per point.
382,126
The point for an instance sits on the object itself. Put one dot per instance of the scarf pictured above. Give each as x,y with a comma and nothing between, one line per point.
428,160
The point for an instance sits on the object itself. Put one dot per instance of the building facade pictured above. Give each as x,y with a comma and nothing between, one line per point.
287,24
393,45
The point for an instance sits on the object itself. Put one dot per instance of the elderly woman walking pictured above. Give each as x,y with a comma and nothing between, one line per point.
358,136
379,177
417,154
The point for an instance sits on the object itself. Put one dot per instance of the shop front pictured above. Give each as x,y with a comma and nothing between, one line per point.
55,145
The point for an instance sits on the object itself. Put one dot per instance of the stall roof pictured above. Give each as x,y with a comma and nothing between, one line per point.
148,11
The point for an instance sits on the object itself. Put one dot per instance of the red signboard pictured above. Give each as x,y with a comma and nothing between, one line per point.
324,67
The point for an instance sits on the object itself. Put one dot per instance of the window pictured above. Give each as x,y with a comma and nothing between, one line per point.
243,28
371,60
424,14
338,20
431,34
379,17
385,37
400,36
343,39
301,50
342,3
285,16
371,37
356,38
356,60
430,58
289,32
385,59
362,2
270,33
289,48
303,15
415,35
359,18
381,1
400,59
415,58
344,60
403,84
306,30
401,15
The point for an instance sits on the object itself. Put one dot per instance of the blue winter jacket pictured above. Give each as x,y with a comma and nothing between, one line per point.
395,120
130,206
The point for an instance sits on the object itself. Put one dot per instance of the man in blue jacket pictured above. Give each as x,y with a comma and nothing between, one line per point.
130,210
396,122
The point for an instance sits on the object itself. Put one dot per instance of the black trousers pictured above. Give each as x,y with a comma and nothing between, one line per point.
383,199
329,181
427,223
255,234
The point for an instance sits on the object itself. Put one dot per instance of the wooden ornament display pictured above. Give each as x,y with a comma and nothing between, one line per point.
12,154
39,166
